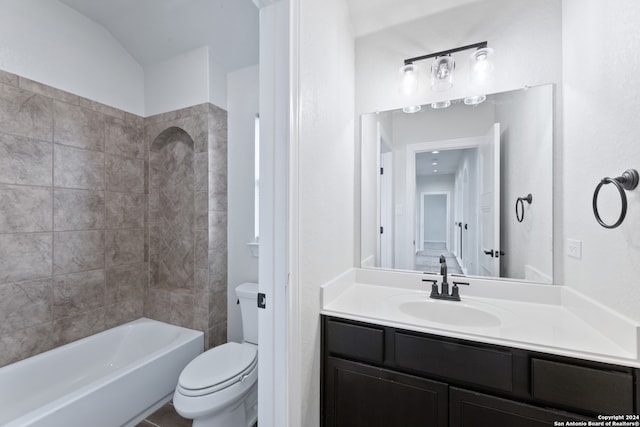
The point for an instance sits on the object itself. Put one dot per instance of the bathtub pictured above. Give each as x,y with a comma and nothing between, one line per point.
114,378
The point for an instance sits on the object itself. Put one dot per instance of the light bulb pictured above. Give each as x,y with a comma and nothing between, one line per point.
440,104
409,79
481,67
442,73
475,100
410,109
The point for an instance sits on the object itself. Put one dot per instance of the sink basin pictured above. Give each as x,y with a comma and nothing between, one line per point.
449,313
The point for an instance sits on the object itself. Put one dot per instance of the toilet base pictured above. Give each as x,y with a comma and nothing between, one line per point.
243,415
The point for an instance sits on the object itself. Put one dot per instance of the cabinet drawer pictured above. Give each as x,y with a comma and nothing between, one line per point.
593,390
360,342
467,364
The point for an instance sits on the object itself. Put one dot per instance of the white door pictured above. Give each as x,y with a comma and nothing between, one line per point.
386,210
489,162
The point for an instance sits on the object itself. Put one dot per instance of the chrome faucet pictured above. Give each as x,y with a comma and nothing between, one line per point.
444,293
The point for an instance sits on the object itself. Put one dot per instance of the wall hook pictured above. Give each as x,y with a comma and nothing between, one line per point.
627,181
520,201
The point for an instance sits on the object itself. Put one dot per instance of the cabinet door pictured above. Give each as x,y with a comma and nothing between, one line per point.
470,409
358,395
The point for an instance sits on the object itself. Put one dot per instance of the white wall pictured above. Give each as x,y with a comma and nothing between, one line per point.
526,164
325,167
179,82
241,265
457,121
601,129
46,41
218,83
525,34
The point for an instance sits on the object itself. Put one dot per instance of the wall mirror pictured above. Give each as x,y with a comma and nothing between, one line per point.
472,183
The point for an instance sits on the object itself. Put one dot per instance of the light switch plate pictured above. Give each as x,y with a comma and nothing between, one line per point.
574,248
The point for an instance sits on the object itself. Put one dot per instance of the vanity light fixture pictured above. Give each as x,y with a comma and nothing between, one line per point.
442,68
435,152
434,163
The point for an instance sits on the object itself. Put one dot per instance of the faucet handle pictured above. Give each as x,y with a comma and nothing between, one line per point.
455,293
434,286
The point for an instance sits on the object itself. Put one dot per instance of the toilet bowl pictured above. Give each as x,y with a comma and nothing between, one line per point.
219,388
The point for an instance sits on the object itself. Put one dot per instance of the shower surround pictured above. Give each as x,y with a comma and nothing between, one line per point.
77,210
187,217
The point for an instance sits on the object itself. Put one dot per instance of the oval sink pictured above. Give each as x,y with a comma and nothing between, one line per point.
449,313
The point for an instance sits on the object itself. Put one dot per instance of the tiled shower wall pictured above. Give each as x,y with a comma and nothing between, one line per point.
188,281
73,212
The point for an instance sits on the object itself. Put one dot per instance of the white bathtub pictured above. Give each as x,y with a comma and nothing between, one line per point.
114,378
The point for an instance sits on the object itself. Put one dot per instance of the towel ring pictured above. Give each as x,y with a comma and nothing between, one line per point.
520,201
628,181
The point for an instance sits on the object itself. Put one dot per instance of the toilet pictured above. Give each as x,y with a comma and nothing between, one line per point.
219,388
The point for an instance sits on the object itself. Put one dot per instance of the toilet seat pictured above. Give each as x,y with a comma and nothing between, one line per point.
217,369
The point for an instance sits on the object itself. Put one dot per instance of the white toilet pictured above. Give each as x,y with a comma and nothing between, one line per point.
219,388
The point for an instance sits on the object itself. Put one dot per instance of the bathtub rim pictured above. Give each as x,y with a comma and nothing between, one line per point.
186,336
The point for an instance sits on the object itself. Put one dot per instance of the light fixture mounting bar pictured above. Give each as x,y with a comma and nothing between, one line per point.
480,45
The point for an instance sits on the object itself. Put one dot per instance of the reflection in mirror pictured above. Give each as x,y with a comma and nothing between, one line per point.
447,182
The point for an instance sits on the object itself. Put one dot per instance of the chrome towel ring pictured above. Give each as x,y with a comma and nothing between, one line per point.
520,201
628,181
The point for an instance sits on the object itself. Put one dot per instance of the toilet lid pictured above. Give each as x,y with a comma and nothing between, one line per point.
217,366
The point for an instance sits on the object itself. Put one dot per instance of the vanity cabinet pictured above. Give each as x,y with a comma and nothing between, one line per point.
361,395
383,376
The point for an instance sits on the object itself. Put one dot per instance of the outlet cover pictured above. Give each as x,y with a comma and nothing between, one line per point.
574,248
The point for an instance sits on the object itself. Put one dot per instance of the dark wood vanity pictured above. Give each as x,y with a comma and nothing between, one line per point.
377,376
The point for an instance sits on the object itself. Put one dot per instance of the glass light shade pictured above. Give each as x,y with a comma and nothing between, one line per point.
475,100
410,109
481,66
442,73
440,105
409,79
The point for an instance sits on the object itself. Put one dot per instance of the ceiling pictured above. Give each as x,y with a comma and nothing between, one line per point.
369,16
447,162
156,30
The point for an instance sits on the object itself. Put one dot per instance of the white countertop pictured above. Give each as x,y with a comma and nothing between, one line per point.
545,318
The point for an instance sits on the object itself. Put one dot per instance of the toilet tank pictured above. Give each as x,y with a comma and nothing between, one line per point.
247,294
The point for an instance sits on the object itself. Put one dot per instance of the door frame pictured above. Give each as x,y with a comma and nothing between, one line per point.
279,364
412,151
